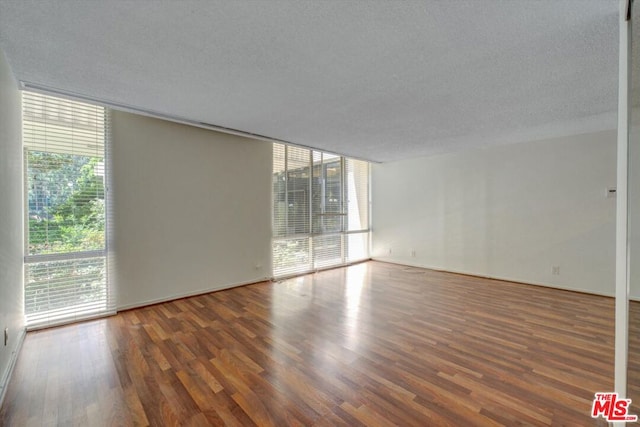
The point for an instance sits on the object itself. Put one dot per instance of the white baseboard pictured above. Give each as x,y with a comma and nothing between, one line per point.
4,382
190,294
502,278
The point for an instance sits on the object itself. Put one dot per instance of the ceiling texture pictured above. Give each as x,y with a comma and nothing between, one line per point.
378,80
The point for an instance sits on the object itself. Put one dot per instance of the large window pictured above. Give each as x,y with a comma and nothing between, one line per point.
65,261
320,210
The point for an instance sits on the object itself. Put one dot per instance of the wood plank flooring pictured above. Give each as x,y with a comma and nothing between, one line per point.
633,371
372,344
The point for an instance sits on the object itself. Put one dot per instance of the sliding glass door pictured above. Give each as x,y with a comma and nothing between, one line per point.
320,210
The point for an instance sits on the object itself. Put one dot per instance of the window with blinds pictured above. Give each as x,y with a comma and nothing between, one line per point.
320,210
65,262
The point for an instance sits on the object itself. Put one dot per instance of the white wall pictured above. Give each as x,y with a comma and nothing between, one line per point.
634,201
508,212
11,224
192,209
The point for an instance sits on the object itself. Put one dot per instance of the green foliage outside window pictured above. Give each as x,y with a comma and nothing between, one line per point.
66,203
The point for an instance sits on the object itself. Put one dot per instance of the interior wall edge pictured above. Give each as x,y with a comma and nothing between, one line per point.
11,221
6,378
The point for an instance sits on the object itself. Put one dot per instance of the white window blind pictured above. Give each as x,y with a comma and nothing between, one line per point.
65,175
358,204
320,210
291,248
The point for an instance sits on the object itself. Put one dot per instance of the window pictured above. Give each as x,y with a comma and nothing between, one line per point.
320,210
65,262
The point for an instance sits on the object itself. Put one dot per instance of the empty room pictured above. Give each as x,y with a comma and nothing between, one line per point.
319,213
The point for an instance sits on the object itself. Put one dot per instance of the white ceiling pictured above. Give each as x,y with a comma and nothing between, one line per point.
380,80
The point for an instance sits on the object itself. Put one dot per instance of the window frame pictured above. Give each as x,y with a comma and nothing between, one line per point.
281,229
105,304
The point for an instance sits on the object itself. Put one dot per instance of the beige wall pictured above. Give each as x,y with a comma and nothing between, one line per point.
191,209
11,228
509,212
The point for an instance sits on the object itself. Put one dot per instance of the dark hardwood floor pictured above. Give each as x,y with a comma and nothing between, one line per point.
372,344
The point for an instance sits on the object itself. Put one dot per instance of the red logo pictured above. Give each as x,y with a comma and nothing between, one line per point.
611,408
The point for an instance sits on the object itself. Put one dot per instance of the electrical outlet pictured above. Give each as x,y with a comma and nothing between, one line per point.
555,270
6,336
389,252
413,253
611,192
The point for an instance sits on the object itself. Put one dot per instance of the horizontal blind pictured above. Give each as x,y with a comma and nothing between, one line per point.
328,212
65,265
357,186
357,190
279,181
56,125
63,291
320,210
291,256
327,250
317,186
298,190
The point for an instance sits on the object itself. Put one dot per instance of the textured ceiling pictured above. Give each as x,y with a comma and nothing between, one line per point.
381,80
